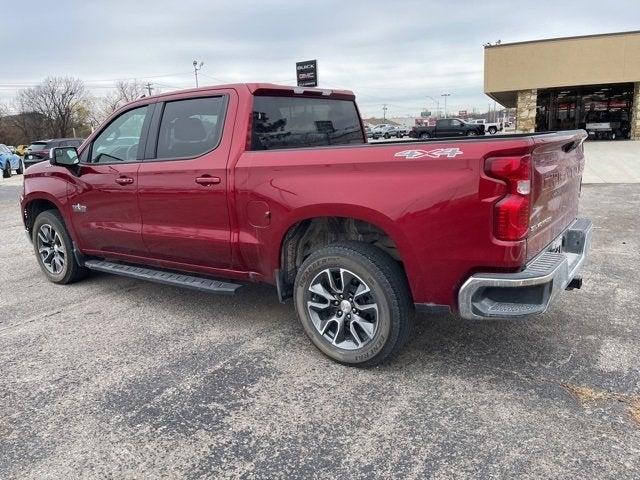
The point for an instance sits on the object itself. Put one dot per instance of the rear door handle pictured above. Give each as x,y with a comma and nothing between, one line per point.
124,180
207,180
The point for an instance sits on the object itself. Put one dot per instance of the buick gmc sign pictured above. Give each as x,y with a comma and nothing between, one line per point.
307,73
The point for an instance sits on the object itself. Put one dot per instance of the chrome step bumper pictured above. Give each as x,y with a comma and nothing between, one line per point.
529,292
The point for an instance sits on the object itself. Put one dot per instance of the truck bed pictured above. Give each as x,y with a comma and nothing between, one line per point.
432,197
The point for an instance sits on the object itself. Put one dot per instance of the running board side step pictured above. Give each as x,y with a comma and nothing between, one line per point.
167,278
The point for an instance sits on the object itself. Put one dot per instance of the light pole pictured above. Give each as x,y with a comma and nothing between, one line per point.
197,67
445,95
384,112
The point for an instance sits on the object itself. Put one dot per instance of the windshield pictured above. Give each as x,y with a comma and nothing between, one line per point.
34,147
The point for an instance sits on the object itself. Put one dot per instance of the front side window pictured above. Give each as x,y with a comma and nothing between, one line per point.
190,128
295,122
120,140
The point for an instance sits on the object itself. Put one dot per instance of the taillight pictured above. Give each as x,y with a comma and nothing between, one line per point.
511,212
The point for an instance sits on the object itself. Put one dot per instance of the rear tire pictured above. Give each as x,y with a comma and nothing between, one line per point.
20,169
6,171
493,130
354,303
471,133
54,249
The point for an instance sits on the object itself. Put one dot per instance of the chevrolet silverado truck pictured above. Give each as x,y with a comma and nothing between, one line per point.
214,187
447,127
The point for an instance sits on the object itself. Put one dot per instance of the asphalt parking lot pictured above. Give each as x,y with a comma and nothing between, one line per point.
113,377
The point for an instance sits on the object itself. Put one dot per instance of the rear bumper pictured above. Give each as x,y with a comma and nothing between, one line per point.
531,291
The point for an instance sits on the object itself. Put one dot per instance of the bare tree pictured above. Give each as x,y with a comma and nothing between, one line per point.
125,92
29,125
57,101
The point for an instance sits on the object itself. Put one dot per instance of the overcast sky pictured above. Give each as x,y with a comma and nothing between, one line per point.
393,52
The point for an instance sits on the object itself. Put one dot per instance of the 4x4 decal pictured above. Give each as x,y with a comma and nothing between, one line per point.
437,153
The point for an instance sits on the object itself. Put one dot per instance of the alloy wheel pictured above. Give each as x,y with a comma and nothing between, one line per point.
342,308
51,249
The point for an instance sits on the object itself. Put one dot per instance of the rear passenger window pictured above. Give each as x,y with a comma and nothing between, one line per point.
294,122
190,127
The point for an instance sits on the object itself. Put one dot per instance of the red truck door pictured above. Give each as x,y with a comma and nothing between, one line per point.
103,197
183,181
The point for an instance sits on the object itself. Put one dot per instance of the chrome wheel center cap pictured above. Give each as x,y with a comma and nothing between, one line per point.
345,306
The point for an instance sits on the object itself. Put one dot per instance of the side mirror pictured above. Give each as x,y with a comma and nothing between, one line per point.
64,156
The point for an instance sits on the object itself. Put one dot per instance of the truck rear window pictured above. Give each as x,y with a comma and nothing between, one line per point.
296,122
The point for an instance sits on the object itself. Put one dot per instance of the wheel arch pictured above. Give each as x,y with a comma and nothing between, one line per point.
35,205
307,231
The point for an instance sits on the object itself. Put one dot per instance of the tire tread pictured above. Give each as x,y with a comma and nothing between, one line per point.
77,272
401,303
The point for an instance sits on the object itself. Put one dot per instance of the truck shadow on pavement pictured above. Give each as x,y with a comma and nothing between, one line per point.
544,346
555,355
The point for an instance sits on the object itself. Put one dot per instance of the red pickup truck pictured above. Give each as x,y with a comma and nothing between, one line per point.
267,183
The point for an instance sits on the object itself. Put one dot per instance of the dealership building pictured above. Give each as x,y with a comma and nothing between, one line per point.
565,83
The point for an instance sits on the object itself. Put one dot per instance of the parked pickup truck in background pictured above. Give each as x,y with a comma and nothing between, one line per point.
447,127
491,127
275,184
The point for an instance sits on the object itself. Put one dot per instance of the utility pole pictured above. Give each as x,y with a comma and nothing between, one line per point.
148,86
384,112
445,95
197,67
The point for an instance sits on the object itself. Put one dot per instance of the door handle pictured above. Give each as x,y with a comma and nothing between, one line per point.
124,180
207,180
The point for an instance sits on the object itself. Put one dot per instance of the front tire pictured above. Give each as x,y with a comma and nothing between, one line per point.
20,169
471,133
424,136
54,249
493,130
354,303
6,171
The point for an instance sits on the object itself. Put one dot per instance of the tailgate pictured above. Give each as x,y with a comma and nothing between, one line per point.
558,162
